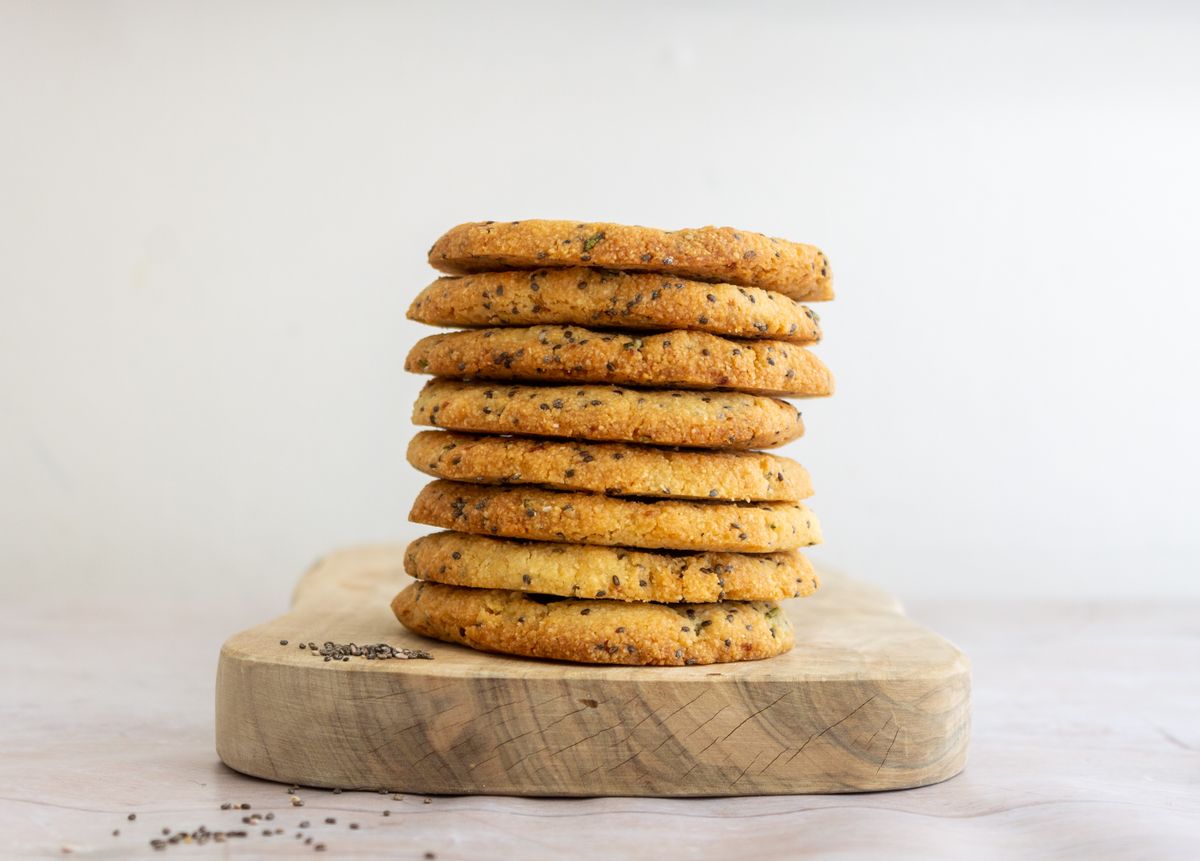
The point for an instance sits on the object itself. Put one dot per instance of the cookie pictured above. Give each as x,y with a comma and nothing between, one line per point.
595,632
616,573
590,518
604,299
618,469
611,414
719,254
567,354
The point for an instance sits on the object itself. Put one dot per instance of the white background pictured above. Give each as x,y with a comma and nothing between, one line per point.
214,215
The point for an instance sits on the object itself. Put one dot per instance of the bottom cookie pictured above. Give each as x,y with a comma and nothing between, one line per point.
595,632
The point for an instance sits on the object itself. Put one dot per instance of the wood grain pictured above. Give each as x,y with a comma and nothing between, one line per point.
867,701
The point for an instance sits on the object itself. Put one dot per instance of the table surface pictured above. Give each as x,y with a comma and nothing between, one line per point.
1086,744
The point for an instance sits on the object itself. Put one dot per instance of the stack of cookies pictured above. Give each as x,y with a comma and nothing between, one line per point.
594,464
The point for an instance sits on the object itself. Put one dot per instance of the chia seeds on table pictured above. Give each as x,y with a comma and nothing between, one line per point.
372,652
200,836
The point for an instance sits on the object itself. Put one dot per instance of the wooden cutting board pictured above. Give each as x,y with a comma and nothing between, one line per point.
867,700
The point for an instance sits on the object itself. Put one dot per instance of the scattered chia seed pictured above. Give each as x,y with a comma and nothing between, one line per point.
200,836
372,652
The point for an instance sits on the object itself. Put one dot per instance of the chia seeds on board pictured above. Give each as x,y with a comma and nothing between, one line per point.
371,652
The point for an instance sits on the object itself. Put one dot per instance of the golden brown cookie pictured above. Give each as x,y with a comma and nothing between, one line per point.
604,299
595,632
727,420
590,518
567,354
618,469
616,573
719,254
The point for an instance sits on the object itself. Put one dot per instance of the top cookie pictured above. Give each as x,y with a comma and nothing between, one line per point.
705,253
604,299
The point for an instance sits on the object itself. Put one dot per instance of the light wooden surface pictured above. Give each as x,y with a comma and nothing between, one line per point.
1085,745
867,700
